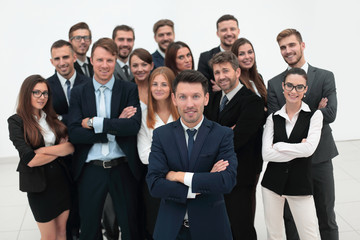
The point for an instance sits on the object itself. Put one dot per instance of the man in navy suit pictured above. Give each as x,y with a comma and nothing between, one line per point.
65,77
227,29
191,165
80,39
104,119
61,84
164,35
321,94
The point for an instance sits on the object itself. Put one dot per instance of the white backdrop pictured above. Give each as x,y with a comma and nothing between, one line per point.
330,30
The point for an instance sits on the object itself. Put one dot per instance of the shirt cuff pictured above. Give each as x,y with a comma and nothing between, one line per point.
188,182
98,123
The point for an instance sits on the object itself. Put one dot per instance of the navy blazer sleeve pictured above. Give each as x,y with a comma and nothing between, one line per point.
329,91
219,182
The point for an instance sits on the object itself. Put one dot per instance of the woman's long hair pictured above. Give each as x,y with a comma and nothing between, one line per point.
170,55
152,106
253,72
32,129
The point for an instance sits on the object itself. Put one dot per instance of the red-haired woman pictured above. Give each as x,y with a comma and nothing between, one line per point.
160,111
41,140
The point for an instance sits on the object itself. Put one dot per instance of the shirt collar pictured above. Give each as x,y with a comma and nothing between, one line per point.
63,80
232,93
304,67
81,63
109,84
122,64
221,49
161,52
196,127
282,111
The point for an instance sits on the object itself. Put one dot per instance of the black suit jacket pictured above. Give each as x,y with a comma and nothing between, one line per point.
204,66
79,69
83,105
246,111
321,83
58,96
157,59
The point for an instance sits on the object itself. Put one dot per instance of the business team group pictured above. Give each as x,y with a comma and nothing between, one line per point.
142,146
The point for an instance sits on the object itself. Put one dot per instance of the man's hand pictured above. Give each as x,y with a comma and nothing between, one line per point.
128,112
220,166
84,123
323,103
175,176
303,140
214,86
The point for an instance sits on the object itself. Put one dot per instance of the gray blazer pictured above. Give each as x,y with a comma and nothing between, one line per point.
119,73
321,83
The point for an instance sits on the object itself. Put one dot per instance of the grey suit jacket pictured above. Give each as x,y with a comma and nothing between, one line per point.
119,73
321,83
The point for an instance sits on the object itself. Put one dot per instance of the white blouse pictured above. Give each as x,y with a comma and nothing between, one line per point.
144,137
47,133
284,152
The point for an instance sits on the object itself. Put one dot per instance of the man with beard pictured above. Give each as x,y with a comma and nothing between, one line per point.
61,84
80,39
228,31
321,95
124,37
237,107
164,35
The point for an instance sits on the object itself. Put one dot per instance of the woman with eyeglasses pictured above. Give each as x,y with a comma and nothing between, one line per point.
42,140
291,136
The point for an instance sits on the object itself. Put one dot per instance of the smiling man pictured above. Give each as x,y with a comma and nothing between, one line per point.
105,159
321,95
227,30
164,35
124,37
191,165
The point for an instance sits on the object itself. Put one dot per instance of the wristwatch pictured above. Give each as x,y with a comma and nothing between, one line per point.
90,123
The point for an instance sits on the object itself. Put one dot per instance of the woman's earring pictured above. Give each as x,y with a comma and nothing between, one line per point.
304,95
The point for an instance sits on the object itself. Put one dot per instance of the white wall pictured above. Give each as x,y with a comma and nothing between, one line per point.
330,30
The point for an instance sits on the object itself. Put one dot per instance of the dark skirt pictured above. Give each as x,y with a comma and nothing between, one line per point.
55,199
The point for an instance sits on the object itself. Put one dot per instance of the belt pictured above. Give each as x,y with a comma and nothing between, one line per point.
186,223
109,164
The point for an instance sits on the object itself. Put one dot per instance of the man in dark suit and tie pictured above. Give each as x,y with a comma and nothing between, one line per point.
191,165
227,29
80,39
104,119
237,107
164,35
321,94
124,37
65,77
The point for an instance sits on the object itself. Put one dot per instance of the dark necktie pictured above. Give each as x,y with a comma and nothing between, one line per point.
86,68
126,71
223,103
191,134
68,90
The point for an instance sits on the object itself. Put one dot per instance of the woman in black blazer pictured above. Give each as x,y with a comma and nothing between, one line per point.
41,140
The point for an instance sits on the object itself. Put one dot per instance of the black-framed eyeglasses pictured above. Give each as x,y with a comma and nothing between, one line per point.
78,38
38,94
299,88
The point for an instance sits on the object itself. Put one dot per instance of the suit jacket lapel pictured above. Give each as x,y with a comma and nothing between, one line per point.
181,143
115,100
199,142
231,103
59,91
90,98
311,78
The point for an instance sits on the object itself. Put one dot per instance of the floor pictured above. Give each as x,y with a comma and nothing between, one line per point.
17,222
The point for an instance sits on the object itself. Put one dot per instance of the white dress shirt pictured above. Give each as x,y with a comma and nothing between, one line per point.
47,133
284,152
64,85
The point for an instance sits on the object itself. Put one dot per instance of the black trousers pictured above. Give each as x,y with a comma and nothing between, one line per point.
324,198
94,184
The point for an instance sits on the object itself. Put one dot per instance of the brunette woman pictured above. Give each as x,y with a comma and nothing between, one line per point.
160,111
178,57
41,140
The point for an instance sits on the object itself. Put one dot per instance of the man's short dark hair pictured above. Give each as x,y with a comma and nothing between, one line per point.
191,76
162,23
80,25
61,43
107,44
124,28
226,17
224,57
296,71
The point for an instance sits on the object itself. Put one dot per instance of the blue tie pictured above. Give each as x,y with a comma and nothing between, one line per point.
68,90
223,103
191,134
